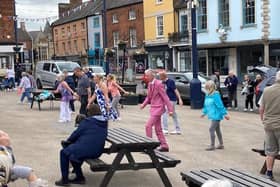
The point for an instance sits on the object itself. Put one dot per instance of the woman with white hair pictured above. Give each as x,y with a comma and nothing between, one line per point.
66,95
215,110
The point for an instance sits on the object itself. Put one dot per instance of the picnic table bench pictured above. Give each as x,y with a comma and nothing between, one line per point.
262,153
125,143
35,98
237,177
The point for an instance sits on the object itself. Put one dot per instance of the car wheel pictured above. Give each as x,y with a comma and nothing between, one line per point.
39,84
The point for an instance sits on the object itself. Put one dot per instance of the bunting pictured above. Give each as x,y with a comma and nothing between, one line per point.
20,19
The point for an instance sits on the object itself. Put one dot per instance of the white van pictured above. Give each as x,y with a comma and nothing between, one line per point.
47,71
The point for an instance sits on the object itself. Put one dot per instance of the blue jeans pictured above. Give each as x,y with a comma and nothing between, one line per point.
26,93
11,82
175,118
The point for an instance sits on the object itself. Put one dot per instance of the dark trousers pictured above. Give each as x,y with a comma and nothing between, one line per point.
64,166
71,105
249,100
232,97
84,102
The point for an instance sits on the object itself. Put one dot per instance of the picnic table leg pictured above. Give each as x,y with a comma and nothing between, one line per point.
39,104
33,98
160,170
113,168
263,170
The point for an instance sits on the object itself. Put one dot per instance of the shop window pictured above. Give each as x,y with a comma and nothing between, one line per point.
224,13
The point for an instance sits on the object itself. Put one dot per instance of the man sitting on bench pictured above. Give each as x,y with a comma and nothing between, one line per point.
86,142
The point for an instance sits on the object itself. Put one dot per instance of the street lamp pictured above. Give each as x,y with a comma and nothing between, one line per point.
105,35
195,84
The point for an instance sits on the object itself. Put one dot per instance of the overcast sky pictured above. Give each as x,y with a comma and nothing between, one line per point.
37,9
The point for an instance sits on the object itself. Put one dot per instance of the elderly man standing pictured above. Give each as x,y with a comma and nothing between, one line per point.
270,115
231,83
83,89
158,99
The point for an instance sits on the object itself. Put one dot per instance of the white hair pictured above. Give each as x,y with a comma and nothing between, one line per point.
150,71
218,183
277,79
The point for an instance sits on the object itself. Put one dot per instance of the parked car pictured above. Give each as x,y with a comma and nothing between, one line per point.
183,79
47,71
96,70
268,74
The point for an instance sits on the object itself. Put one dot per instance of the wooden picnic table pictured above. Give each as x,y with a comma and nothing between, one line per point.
238,178
125,143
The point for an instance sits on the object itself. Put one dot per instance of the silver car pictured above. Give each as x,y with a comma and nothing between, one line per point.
47,71
182,81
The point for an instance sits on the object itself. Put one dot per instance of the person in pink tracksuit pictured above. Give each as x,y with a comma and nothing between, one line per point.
158,99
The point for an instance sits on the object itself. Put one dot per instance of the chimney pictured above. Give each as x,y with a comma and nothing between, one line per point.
22,26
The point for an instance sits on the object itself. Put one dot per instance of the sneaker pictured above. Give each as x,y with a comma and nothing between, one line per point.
175,132
39,183
119,119
220,147
61,121
236,108
245,109
165,132
62,182
229,108
19,102
77,180
270,177
210,148
251,110
163,149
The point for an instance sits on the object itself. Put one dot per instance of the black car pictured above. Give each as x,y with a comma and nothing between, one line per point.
183,79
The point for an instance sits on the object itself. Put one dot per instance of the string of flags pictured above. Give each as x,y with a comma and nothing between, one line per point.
20,19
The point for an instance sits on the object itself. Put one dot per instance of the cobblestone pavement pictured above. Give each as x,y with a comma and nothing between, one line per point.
36,137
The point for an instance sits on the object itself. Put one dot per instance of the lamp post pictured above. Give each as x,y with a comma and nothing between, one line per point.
195,84
105,36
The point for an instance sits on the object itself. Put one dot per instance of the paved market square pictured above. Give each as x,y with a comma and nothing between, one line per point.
36,137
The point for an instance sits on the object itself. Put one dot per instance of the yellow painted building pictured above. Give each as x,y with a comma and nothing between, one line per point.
159,20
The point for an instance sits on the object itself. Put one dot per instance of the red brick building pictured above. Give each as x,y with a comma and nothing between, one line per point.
125,23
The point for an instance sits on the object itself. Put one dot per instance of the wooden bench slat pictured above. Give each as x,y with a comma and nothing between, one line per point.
127,136
271,183
132,134
193,177
256,180
114,135
234,178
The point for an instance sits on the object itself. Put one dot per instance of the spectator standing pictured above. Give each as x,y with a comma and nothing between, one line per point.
114,88
66,95
71,83
215,110
270,116
25,86
216,78
83,89
11,77
32,80
248,91
231,83
173,94
158,99
87,72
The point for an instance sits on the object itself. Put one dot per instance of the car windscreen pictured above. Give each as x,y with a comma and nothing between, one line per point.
96,70
67,66
201,77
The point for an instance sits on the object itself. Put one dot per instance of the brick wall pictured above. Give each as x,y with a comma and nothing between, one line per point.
6,21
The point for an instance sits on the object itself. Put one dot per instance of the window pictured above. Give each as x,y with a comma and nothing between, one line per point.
56,47
159,26
68,29
63,46
46,67
74,28
84,43
132,15
83,26
248,12
159,1
183,23
224,13
202,15
63,31
97,40
116,38
96,23
55,31
115,18
132,38
54,68
75,45
69,46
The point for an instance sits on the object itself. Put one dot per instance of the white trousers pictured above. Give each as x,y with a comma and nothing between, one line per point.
65,112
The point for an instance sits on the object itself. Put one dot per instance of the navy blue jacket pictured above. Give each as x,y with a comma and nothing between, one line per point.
231,83
70,81
88,139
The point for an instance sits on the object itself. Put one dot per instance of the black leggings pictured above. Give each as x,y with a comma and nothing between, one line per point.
249,100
